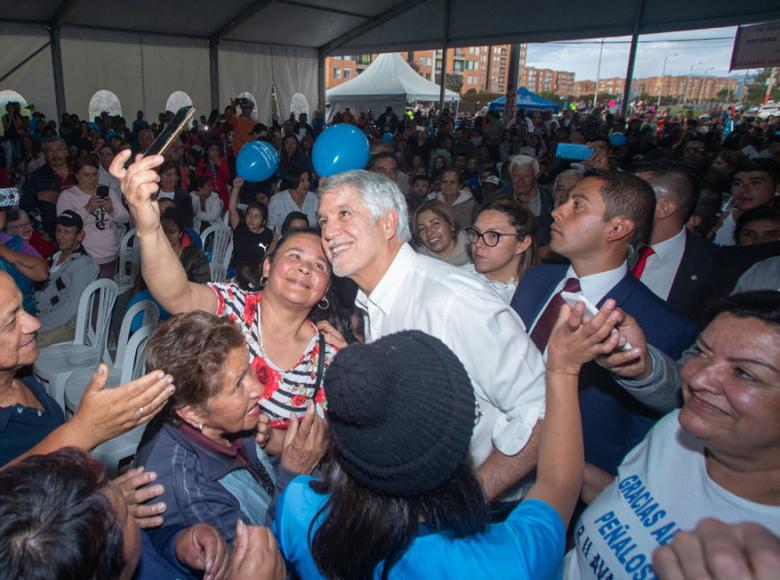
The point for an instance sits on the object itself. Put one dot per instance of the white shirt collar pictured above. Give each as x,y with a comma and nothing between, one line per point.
596,286
674,246
387,289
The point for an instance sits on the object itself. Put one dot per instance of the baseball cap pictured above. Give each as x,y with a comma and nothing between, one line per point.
70,219
492,179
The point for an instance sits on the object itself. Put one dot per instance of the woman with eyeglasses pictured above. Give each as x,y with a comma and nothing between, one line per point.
503,245
437,235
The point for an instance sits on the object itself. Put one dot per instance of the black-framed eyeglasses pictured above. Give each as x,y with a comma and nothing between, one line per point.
490,238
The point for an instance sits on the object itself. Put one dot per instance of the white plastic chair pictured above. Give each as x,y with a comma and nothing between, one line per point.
217,238
57,362
112,452
228,254
77,383
129,262
218,272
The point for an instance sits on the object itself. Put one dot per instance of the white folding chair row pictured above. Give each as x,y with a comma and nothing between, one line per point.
129,262
57,362
112,452
218,272
78,381
217,238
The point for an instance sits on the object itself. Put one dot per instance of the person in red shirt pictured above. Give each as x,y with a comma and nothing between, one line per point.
216,167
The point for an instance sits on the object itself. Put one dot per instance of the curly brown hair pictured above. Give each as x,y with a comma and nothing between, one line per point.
193,348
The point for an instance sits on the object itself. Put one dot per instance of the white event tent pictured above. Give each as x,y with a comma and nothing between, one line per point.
388,82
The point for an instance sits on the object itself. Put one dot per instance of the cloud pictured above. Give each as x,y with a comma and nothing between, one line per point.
708,51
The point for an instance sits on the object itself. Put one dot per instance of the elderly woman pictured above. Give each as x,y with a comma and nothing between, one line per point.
101,213
502,245
437,234
204,446
286,351
399,498
463,205
717,457
18,223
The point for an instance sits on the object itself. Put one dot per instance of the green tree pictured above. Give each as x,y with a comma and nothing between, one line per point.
756,89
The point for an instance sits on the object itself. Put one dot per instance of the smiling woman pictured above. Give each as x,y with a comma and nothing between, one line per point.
717,457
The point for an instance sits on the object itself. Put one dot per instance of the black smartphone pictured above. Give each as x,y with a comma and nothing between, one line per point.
102,191
172,130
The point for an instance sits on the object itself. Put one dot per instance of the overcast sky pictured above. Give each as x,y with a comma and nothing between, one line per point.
708,51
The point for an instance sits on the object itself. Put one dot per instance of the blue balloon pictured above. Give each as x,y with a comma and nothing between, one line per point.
388,137
617,139
340,148
257,161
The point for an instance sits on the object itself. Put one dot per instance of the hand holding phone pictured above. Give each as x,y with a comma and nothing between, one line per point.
591,310
166,138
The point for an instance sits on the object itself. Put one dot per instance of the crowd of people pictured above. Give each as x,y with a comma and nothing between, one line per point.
474,357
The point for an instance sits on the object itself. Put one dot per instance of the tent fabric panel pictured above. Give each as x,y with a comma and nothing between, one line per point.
98,61
35,79
40,10
175,68
246,68
182,17
292,25
376,105
295,71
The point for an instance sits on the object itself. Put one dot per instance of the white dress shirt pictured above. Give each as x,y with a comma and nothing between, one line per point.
489,338
505,289
661,267
594,287
282,204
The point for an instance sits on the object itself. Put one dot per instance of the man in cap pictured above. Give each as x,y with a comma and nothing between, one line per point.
71,270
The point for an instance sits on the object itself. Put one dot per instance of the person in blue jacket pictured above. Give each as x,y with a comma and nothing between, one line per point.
398,497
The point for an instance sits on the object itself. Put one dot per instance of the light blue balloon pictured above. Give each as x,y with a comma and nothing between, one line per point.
340,148
617,139
257,161
388,137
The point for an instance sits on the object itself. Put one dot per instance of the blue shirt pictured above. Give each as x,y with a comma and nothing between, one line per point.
22,428
529,544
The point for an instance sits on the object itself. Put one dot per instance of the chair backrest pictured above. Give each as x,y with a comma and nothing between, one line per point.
129,259
218,272
150,315
216,239
134,359
94,314
228,254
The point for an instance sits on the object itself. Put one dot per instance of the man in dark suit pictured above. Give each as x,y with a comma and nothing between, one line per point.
678,266
606,213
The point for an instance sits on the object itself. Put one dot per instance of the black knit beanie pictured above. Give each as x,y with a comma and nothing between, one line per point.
401,411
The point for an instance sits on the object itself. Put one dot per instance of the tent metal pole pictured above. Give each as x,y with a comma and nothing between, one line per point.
214,71
56,62
321,82
631,57
24,61
511,83
444,45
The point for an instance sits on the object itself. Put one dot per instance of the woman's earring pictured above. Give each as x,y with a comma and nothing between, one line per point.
323,304
263,281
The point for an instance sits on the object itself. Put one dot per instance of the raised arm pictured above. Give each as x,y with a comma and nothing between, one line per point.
160,266
235,217
561,455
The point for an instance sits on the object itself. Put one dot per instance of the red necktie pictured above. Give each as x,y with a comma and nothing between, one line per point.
541,332
639,267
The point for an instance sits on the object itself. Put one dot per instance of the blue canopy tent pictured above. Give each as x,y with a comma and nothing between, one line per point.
525,100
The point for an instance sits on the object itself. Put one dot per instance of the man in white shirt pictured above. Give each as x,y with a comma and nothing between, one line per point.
365,232
676,265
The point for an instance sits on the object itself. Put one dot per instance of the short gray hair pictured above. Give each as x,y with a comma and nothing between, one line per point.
379,194
524,161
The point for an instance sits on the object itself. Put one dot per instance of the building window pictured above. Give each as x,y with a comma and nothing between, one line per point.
176,101
347,73
336,73
429,62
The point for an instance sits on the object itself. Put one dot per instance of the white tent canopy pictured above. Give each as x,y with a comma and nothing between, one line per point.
388,81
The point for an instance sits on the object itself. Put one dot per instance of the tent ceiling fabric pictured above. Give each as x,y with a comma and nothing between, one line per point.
329,23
